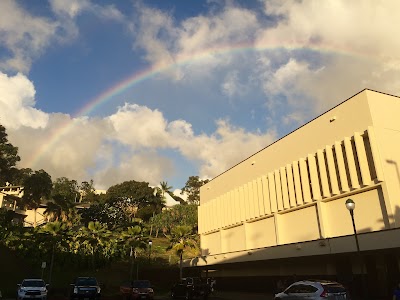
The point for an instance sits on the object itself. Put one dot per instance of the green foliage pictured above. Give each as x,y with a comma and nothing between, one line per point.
192,189
134,192
37,188
182,238
88,192
177,215
6,223
8,158
115,214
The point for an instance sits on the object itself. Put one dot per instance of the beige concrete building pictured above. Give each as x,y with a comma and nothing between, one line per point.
282,211
9,198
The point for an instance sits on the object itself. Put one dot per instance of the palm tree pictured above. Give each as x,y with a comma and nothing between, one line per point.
165,188
181,238
132,239
94,238
56,232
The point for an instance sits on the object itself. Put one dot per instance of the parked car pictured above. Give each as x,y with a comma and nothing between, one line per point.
314,290
85,288
32,289
138,289
191,287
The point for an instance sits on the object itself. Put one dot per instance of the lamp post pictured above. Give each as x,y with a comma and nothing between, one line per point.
350,205
150,244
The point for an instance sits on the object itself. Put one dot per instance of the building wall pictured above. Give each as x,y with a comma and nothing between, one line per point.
295,190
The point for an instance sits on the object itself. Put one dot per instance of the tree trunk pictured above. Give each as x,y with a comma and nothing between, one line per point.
51,263
34,217
180,265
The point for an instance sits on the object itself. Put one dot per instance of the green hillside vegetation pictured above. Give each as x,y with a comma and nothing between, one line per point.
107,236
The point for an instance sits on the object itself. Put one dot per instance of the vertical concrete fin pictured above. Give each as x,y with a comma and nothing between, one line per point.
255,199
332,170
266,195
252,211
312,166
260,196
341,167
290,181
272,192
362,159
351,163
323,174
375,153
305,181
297,183
284,185
278,189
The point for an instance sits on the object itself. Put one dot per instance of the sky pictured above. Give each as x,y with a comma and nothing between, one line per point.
160,90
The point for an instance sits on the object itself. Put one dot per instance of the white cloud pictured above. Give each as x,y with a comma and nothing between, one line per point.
139,126
71,8
17,101
25,39
351,43
166,42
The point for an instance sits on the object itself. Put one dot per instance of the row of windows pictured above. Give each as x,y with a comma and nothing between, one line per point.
339,168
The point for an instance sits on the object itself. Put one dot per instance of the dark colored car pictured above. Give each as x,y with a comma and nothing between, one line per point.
191,287
85,288
139,289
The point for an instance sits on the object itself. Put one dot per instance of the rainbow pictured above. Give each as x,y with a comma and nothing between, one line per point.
150,72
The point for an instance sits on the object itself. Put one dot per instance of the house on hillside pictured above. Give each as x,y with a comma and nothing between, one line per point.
9,199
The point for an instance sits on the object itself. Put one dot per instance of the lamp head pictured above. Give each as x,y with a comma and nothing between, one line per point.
150,243
350,205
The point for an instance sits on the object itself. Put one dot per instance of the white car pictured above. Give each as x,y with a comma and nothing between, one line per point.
32,289
314,290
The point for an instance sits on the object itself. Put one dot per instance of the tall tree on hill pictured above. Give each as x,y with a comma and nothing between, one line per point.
192,189
165,188
88,192
64,194
37,188
181,238
8,157
134,192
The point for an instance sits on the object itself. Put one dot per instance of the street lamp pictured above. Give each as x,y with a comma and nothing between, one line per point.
350,205
150,244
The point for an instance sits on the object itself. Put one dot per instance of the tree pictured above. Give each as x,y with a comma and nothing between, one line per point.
131,239
177,215
94,238
55,233
132,191
37,188
64,195
88,192
181,238
192,188
8,157
165,188
6,223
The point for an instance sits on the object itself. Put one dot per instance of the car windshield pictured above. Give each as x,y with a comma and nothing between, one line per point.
33,283
141,284
86,281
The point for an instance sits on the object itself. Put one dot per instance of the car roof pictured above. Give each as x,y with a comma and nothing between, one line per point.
33,279
317,281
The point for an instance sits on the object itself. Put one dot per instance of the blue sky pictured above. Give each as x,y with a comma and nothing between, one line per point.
230,77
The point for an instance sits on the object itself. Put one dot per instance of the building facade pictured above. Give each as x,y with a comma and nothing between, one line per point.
10,197
282,213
